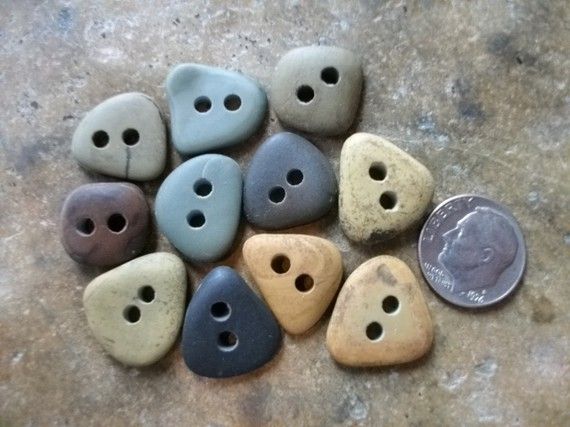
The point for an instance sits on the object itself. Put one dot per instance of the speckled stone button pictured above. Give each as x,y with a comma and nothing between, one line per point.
228,330
289,182
380,317
212,108
383,190
298,276
198,206
123,137
104,224
135,311
317,89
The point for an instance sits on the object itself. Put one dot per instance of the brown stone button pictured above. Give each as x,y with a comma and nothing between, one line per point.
380,317
104,224
297,275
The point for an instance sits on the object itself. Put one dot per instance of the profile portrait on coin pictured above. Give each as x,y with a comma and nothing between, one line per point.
478,250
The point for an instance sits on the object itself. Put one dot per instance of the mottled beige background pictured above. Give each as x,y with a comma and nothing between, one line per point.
476,90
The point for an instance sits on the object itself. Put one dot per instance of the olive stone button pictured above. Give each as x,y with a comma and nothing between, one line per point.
383,190
228,330
317,89
105,223
380,316
123,137
135,311
211,108
198,206
289,182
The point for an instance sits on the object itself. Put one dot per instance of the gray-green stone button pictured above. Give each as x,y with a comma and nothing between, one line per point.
123,137
198,206
135,311
211,108
317,89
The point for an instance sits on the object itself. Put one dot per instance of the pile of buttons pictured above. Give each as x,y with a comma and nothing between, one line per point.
136,309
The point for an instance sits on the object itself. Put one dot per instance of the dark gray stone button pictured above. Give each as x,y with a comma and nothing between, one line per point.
228,330
289,182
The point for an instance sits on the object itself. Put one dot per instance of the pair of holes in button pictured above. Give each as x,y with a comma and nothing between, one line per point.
378,172
329,75
116,223
281,264
203,104
101,138
196,218
374,330
227,340
131,313
294,177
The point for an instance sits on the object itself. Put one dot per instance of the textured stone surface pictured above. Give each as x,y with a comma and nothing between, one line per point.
382,189
289,182
380,316
212,108
123,137
317,89
105,224
297,275
135,310
228,330
198,206
476,92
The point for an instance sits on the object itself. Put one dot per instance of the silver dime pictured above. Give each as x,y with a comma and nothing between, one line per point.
472,251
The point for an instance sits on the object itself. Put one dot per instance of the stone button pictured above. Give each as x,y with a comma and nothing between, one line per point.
123,137
317,89
198,206
380,317
105,224
297,275
228,330
289,182
135,310
212,108
383,190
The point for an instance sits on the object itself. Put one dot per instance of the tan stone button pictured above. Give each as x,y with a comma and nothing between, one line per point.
380,317
135,310
383,190
297,275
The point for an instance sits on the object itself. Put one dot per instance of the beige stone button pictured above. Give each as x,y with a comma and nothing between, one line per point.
380,317
297,275
135,310
383,190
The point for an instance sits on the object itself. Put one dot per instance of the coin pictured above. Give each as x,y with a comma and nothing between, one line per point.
472,251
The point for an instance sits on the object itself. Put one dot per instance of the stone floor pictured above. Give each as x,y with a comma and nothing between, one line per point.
478,91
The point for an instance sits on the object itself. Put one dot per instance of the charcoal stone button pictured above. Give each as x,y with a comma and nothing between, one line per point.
105,224
135,311
228,330
198,206
212,108
289,182
317,89
123,137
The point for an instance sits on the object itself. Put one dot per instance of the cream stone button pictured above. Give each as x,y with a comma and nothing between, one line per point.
383,190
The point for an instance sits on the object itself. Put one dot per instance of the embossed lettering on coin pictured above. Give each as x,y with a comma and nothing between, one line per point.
472,251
